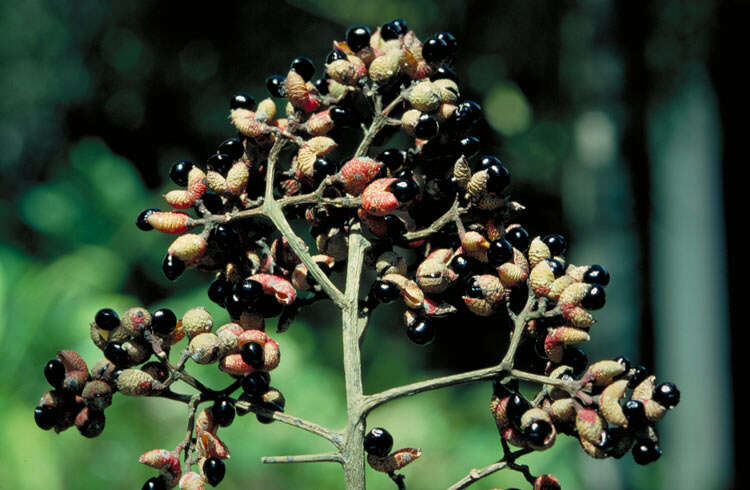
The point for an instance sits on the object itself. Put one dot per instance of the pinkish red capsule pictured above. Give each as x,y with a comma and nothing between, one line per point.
166,461
277,286
271,352
357,173
377,200
169,222
210,446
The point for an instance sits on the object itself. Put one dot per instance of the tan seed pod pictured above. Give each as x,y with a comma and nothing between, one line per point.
645,389
384,68
204,422
573,294
98,336
237,178
490,202
477,185
246,123
412,295
444,112
228,338
434,276
289,109
135,321
578,317
338,90
210,446
557,287
493,294
266,110
304,161
189,248
515,272
168,222
475,245
51,398
179,199
603,372
348,71
462,171
216,182
558,338
119,334
563,410
589,425
204,348
196,321
137,352
321,145
166,461
250,320
591,448
390,263
394,461
234,365
498,408
97,395
538,251
609,403
156,370
425,96
654,410
335,243
103,369
576,271
319,123
134,382
192,481
439,309
409,120
448,90
541,278
295,89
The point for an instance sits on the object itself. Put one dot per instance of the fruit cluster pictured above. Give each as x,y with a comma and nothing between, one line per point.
438,199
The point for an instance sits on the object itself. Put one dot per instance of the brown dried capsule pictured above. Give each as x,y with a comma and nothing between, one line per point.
384,68
434,276
357,173
609,403
103,369
97,395
448,90
266,110
558,338
541,278
157,370
578,317
134,382
204,422
192,481
603,372
475,245
438,309
196,321
409,121
169,222
237,178
390,263
137,352
135,321
538,251
333,243
71,360
166,461
98,336
487,294
247,124
394,461
216,182
411,293
300,273
462,172
204,348
654,410
563,410
90,422
210,446
319,123
592,448
515,272
558,286
189,248
348,71
589,425
476,188
425,96
645,389
74,381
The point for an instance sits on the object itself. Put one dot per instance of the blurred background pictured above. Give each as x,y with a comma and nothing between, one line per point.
617,119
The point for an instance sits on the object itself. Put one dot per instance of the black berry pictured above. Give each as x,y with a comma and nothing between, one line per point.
163,321
435,50
624,361
223,412
393,29
323,167
45,417
154,483
449,39
172,267
242,101
421,331
54,372
404,190
256,383
596,274
268,307
213,202
467,113
304,67
335,55
639,374
444,71
537,432
226,238
358,37
219,290
252,354
462,266
395,228
115,353
385,291
556,244
141,221
636,415
498,178
558,269
322,85
232,147
107,319
518,237
500,252
645,452
221,162
474,290
275,85
94,424
214,469
179,171
342,116
249,291
595,298
393,158
667,394
426,128
501,390
378,442
488,160
468,146
235,305
515,409
576,359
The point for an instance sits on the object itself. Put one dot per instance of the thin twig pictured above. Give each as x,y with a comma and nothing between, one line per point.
477,474
304,458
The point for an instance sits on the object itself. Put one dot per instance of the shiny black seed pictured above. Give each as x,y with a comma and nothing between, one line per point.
635,413
515,409
156,369
404,190
393,29
488,160
213,202
218,291
214,469
342,117
426,128
595,298
378,442
221,162
54,372
462,266
645,452
107,319
444,71
252,354
304,67
558,269
94,424
449,39
268,307
500,252
606,440
163,321
322,85
468,146
384,291
501,390
537,432
596,274
518,237
154,483
667,394
45,417
358,37
639,374
172,267
556,243
473,290
275,85
335,55
249,291
323,167
498,178
232,147
268,406
242,101
435,50
179,171
421,331
115,353
393,158
141,221
576,359
234,305
223,412
226,238
395,228
256,383
624,361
